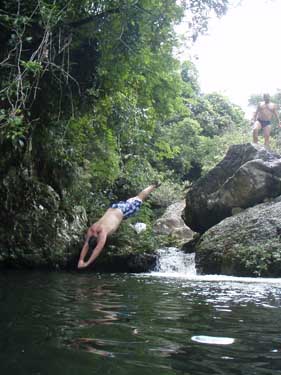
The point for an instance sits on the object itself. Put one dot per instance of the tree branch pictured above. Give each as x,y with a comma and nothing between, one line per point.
92,18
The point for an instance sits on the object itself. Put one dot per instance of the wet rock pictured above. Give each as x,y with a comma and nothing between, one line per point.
129,263
172,224
248,175
190,246
247,244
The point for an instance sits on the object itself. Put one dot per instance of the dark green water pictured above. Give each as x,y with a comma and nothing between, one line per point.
53,323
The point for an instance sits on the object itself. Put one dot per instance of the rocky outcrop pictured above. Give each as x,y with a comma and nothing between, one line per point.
172,224
247,244
35,232
247,176
130,263
128,250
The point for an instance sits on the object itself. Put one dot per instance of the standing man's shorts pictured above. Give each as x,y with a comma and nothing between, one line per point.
264,123
129,207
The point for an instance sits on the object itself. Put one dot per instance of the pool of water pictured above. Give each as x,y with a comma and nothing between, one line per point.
71,323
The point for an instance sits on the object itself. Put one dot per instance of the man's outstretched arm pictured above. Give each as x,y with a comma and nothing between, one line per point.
83,253
102,236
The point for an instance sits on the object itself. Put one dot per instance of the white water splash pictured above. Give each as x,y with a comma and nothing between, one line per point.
173,261
176,264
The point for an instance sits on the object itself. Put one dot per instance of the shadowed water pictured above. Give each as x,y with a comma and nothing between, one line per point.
70,323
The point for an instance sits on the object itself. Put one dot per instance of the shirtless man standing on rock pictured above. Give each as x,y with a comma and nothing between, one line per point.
109,223
262,119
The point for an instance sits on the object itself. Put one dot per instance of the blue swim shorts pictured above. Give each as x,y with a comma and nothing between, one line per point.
264,123
129,207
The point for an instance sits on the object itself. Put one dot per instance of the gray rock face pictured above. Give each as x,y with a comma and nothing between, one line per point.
247,244
34,231
247,176
171,223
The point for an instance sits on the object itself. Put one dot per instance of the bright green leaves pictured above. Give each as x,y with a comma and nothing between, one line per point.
100,92
33,67
105,160
13,127
164,150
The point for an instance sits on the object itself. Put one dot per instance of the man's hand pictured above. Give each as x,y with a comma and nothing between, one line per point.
82,264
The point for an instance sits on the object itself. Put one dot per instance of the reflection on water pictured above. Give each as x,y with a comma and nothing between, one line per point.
211,340
54,323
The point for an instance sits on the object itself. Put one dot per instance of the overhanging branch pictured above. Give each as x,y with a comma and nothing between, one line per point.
92,18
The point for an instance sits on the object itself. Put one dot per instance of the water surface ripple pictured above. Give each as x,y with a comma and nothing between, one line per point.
69,323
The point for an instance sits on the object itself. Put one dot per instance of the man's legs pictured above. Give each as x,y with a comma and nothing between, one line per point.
145,193
256,128
266,134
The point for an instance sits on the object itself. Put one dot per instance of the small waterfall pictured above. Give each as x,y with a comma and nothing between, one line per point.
173,261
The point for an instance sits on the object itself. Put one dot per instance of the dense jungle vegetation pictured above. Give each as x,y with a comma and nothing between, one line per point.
94,103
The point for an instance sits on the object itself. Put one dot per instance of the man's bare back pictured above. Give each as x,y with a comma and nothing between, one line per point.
110,221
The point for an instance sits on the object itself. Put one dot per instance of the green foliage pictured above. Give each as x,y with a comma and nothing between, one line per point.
182,137
259,260
33,67
92,83
127,241
136,174
212,150
215,114
198,135
14,122
94,103
190,75
167,194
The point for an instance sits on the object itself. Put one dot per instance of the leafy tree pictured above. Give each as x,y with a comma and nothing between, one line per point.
184,143
86,86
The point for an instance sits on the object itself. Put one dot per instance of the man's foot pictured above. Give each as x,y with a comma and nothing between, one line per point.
157,183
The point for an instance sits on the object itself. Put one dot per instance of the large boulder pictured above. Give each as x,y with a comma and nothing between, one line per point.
246,244
246,176
172,224
35,231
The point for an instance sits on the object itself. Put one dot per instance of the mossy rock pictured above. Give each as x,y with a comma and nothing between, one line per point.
34,231
247,244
